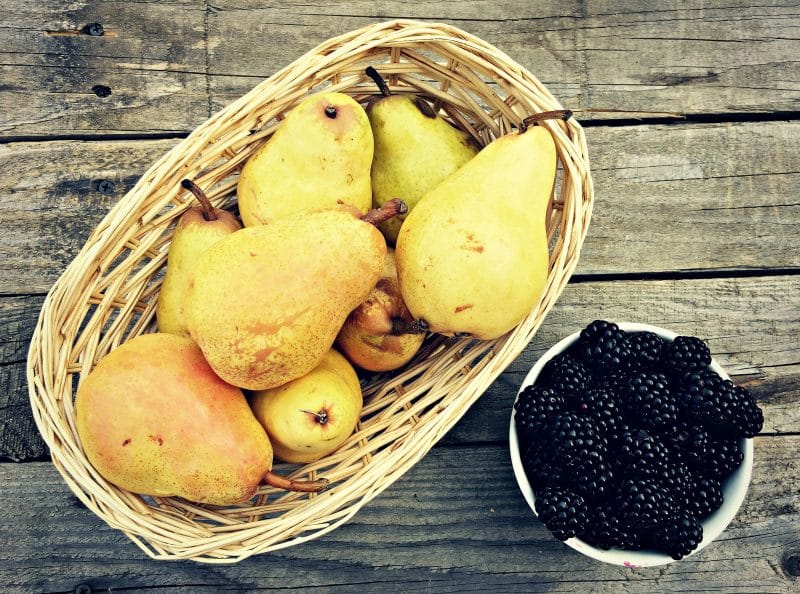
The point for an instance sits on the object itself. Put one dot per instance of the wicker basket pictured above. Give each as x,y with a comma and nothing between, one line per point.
108,293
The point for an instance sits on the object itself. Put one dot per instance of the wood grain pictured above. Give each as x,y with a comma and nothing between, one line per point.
170,64
749,324
668,198
456,522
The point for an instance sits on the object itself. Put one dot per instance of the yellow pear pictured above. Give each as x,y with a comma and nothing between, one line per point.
153,418
311,416
381,334
267,302
472,257
197,229
415,149
319,157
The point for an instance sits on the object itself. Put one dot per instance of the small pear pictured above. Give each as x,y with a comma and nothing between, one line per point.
197,229
267,301
472,257
154,418
381,334
415,149
319,157
311,416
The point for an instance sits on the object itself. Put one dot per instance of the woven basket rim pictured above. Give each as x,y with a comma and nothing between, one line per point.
85,311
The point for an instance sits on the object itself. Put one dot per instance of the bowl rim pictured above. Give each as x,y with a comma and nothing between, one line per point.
734,488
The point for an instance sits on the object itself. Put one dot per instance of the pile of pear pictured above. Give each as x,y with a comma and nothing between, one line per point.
362,230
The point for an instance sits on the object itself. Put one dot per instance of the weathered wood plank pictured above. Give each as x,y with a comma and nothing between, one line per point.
694,197
51,198
454,523
170,64
151,63
749,323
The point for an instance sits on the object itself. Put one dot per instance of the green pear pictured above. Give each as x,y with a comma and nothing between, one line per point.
197,229
319,157
267,301
153,418
415,150
472,257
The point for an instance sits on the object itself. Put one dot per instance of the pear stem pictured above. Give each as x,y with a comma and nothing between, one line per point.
387,210
561,114
208,210
400,326
281,482
321,417
375,76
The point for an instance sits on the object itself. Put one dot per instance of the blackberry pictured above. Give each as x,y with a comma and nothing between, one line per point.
602,347
603,406
648,399
563,512
643,503
749,419
564,374
607,531
647,350
589,475
721,458
641,454
705,497
726,410
541,464
689,444
677,480
687,353
616,382
570,436
678,536
534,407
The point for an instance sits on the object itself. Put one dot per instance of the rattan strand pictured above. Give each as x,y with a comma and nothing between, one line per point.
107,294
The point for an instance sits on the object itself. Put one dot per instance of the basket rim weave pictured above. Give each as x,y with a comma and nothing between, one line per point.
107,293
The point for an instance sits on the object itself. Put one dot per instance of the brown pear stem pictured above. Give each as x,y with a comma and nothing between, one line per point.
375,76
400,326
560,114
281,482
208,210
390,208
321,417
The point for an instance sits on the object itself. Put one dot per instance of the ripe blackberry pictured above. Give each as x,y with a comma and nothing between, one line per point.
678,536
647,350
602,346
564,374
686,353
563,512
640,454
616,382
726,410
569,436
589,475
677,480
648,399
689,443
643,503
705,497
542,465
601,405
721,458
607,531
534,407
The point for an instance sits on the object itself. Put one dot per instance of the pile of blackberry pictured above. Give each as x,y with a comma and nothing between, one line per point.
626,439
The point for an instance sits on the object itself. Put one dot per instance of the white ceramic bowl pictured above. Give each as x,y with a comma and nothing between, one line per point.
734,488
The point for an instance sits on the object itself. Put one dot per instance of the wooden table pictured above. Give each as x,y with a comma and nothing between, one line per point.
695,229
